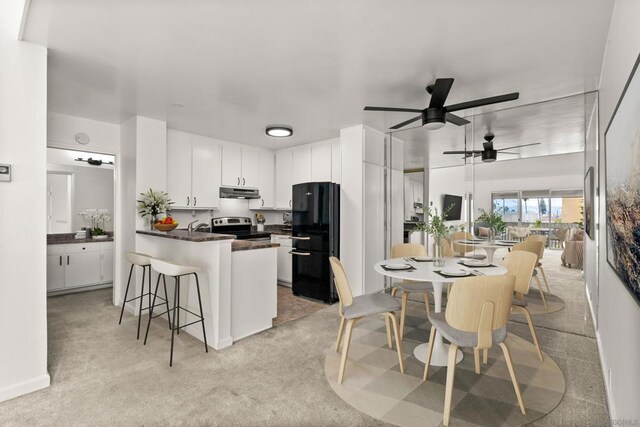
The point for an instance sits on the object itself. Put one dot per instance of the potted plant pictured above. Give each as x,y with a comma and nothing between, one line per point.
494,221
97,218
537,223
435,225
153,203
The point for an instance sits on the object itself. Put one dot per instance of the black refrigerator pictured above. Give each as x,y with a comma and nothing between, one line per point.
316,237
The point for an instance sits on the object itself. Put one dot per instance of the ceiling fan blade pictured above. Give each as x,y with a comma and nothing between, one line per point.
484,101
406,122
478,154
456,120
518,146
509,152
406,129
440,92
402,110
462,152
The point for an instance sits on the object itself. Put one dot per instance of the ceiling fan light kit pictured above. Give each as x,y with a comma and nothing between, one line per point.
433,118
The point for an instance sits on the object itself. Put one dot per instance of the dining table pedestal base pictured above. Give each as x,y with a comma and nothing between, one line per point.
440,355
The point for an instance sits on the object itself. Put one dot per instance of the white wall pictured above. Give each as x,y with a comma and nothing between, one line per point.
453,180
618,313
23,121
62,129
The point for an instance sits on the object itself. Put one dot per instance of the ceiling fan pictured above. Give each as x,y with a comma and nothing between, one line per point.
488,153
436,114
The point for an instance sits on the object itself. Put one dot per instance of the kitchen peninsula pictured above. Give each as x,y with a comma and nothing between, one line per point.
238,281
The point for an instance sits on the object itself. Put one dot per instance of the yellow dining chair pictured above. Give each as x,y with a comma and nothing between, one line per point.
543,240
476,317
461,249
533,246
353,309
407,287
521,265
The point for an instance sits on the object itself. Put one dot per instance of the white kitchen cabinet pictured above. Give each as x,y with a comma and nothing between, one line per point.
336,162
284,178
250,167
179,168
239,166
302,164
205,173
231,165
76,265
285,263
193,171
266,180
321,162
55,271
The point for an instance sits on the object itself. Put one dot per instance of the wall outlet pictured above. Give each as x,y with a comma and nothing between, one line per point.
5,172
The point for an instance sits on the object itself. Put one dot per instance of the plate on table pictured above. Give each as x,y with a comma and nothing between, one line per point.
422,258
475,262
455,272
398,267
505,243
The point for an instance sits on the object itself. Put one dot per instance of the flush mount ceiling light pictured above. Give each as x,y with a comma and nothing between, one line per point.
279,131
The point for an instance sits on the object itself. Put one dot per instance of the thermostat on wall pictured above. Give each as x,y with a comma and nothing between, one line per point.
5,172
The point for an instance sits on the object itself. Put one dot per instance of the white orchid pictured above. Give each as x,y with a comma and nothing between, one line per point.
97,218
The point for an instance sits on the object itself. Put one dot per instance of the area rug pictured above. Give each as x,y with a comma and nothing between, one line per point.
374,385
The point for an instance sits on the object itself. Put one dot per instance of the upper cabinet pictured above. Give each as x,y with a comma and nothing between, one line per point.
266,177
284,178
193,170
321,163
239,166
302,164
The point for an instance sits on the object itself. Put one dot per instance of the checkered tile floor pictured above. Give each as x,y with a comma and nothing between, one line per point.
374,385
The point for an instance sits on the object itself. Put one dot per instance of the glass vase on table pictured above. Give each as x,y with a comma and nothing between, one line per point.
438,251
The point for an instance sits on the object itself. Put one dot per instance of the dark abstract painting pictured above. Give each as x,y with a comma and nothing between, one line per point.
622,156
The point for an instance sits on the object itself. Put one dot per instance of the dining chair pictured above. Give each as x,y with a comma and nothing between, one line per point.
407,287
461,249
352,309
521,265
476,317
534,247
543,239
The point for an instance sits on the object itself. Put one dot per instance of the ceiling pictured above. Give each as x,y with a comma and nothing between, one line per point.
238,66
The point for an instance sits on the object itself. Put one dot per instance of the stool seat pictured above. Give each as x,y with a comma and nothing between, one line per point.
138,258
172,269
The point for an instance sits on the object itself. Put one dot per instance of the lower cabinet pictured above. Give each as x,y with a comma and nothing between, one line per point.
285,267
79,264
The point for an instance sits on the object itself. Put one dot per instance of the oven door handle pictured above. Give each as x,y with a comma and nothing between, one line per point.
300,253
300,238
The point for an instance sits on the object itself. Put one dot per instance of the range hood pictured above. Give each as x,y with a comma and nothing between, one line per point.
239,193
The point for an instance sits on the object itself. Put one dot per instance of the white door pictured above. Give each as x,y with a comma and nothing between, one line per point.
284,161
205,173
55,271
59,203
301,164
266,181
82,268
232,165
250,162
179,168
106,269
321,163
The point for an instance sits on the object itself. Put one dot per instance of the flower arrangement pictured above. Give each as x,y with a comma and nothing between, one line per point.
436,223
97,218
494,220
154,203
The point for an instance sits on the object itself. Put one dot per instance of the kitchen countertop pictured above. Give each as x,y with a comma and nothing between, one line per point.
181,234
69,238
246,245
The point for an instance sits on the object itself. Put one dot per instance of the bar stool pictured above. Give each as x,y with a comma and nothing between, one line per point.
166,268
144,261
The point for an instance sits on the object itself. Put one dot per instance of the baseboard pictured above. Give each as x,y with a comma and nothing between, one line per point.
25,387
605,379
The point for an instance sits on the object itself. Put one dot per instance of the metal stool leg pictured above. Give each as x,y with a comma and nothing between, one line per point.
166,299
150,287
204,334
124,301
146,335
178,311
144,271
175,314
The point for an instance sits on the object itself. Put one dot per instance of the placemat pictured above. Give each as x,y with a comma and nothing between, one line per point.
476,266
384,267
453,277
421,260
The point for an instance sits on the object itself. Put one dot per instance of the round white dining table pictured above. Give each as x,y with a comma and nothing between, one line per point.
489,247
426,272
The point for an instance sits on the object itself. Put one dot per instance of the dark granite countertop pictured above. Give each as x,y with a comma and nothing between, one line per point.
180,234
246,245
68,238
